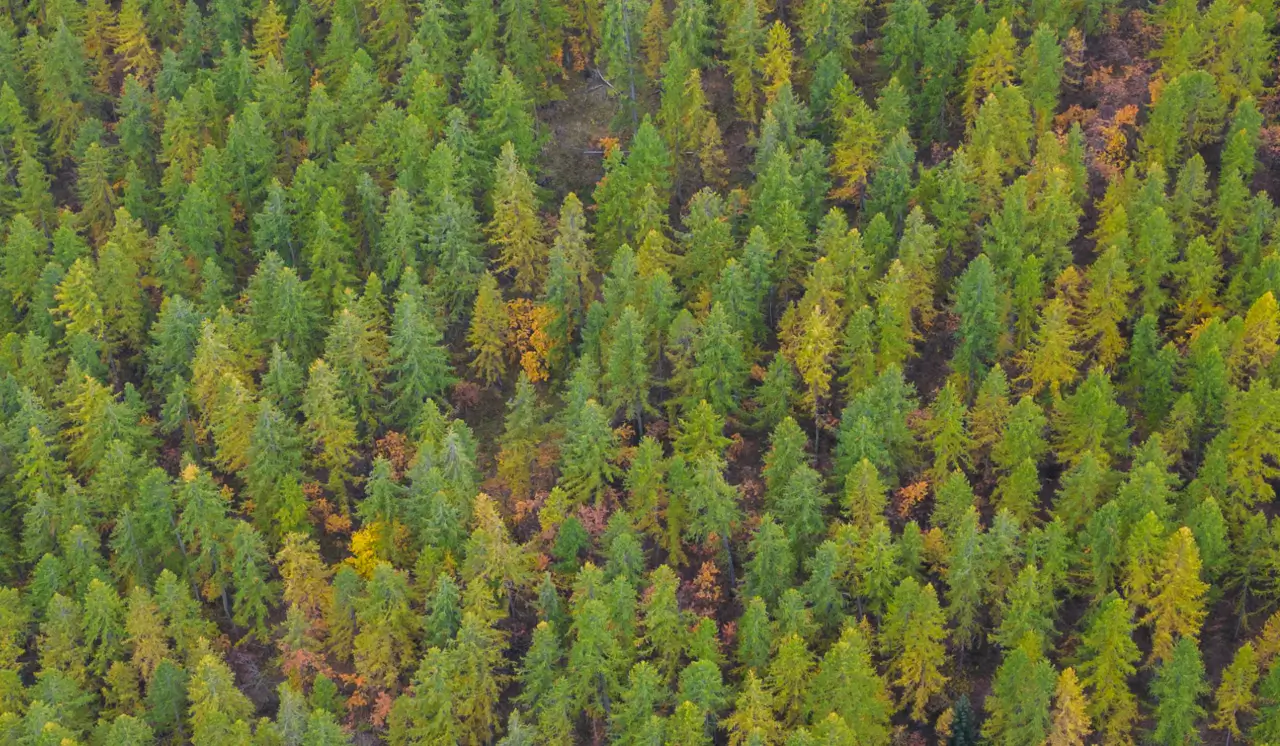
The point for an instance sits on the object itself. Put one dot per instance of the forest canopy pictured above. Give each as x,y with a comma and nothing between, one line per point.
746,372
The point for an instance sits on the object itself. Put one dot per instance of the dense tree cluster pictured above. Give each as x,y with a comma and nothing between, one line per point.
909,374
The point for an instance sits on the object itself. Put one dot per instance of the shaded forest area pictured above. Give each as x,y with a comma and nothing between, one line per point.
747,372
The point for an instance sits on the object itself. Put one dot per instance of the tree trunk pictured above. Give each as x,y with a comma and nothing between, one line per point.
182,545
631,67
728,556
817,414
604,694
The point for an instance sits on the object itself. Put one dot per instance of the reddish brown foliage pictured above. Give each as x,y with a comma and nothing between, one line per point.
466,394
397,450
737,446
323,510
381,709
704,590
626,432
906,499
531,346
657,429
594,518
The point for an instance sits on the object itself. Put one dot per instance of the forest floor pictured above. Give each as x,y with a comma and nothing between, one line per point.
572,154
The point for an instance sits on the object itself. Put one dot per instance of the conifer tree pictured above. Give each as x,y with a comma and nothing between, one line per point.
24,257
813,358
1109,658
1041,73
634,720
687,726
248,577
1257,345
774,397
282,309
1144,548
990,411
593,659
541,666
946,429
1235,695
892,178
328,255
866,496
1071,724
977,304
744,37
476,663
270,33
966,575
1266,725
429,712
398,245
516,228
788,677
384,645
621,40
626,371
701,435
1178,687
771,569
520,438
446,617
510,119
94,188
330,424
847,684
776,61
1051,360
786,454
994,57
356,350
1024,621
273,224
589,450
664,624
18,133
1153,255
1106,305
913,636
1090,420
569,284
453,245
1023,436
103,619
63,87
219,711
204,527
417,361
720,364
712,505
895,328
1177,603
904,38
488,334
1018,708
755,636
1192,107
752,720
